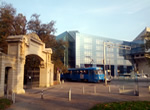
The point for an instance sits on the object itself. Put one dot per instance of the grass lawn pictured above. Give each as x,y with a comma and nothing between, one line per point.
131,105
4,103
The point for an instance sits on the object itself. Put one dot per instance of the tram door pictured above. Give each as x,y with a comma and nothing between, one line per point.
91,75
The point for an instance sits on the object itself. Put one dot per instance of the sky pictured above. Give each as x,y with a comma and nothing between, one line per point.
117,19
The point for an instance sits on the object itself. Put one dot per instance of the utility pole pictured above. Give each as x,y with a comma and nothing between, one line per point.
112,45
109,68
104,63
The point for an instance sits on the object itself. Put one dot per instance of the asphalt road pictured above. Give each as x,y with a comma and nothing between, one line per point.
56,97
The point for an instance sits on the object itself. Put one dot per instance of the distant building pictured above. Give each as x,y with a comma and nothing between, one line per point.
139,54
87,50
120,56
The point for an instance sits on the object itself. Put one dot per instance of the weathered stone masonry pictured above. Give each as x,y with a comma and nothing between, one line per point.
18,48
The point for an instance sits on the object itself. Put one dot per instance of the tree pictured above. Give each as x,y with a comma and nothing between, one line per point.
58,55
46,33
16,24
10,24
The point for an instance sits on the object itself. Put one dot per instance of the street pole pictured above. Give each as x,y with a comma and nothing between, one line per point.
110,44
104,64
109,68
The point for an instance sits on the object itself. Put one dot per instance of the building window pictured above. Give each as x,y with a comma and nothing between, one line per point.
87,46
87,60
99,42
87,40
110,49
87,53
110,55
99,54
99,61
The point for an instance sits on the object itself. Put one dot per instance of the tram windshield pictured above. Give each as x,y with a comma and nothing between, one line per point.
98,72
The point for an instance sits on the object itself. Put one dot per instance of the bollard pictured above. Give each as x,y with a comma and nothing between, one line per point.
62,81
136,87
42,94
7,94
83,90
109,90
13,97
123,88
94,89
69,95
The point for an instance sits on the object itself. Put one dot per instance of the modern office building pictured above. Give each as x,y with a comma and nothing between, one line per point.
118,56
139,53
87,50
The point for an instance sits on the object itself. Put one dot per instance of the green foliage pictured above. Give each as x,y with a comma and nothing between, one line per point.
10,24
58,55
13,24
46,34
4,103
131,105
44,31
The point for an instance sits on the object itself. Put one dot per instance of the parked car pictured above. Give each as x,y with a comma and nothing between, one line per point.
141,76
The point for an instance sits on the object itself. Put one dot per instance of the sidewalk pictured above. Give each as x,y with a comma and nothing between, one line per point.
56,97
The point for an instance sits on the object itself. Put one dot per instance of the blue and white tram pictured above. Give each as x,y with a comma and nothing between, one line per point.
91,74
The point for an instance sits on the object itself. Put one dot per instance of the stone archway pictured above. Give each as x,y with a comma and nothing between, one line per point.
19,47
32,71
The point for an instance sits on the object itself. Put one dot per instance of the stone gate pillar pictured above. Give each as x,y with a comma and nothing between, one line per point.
16,49
46,75
2,75
19,77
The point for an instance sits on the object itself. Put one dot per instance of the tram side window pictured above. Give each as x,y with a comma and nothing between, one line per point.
70,72
76,71
73,71
81,72
91,72
85,72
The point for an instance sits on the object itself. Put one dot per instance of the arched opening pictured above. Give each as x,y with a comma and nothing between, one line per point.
32,71
8,80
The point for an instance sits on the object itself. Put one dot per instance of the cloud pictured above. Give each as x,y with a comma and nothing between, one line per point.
104,10
128,7
136,6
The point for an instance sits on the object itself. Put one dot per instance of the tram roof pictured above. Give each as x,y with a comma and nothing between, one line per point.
89,68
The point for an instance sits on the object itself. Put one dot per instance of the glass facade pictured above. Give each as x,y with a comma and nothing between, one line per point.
88,50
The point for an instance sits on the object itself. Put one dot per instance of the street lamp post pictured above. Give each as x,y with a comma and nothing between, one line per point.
109,68
104,63
110,44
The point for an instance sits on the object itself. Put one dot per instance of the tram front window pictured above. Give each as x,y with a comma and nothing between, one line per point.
98,72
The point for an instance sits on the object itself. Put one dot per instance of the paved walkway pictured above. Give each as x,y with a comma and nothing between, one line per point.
56,97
